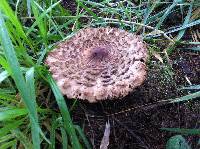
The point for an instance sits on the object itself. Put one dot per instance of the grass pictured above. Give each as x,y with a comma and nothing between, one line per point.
29,29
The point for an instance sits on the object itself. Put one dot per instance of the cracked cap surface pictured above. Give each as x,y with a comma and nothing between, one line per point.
99,63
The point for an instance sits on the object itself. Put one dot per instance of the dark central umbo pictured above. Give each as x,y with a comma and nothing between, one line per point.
99,53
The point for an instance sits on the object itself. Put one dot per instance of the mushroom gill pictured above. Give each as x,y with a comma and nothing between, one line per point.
99,63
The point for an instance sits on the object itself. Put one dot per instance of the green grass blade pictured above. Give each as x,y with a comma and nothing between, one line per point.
18,42
31,86
64,138
193,87
11,58
53,132
184,27
193,43
52,21
156,16
83,137
11,114
41,23
28,2
88,10
8,145
183,131
8,91
4,6
166,14
192,48
34,122
186,21
5,65
22,138
194,23
185,98
16,74
6,138
9,127
149,10
68,125
42,15
5,94
3,76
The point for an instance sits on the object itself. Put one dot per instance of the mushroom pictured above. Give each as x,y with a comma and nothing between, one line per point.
99,63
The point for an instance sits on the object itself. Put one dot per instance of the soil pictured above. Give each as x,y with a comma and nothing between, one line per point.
136,119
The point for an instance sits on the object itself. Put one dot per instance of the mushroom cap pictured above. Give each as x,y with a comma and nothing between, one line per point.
99,63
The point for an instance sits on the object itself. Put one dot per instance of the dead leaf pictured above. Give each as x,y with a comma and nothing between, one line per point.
105,139
157,56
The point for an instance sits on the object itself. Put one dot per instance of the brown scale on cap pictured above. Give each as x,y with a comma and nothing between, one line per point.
98,64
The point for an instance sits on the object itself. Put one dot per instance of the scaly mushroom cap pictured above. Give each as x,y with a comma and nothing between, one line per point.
99,63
